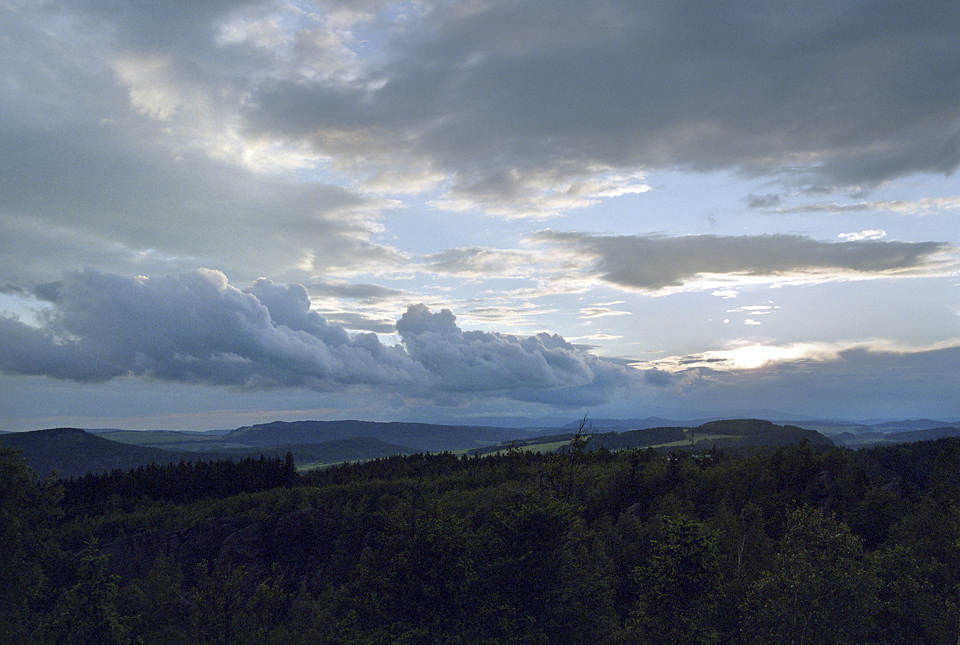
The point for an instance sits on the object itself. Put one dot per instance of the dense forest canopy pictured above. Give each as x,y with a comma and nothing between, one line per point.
805,543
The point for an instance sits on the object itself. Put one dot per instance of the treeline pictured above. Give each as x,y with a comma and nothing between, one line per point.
797,544
187,481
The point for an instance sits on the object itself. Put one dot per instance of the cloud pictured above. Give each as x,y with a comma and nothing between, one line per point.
478,361
29,350
922,206
510,113
601,312
597,337
872,234
366,293
480,262
359,321
514,315
756,310
358,306
659,378
93,198
511,108
726,293
184,208
268,131
537,194
196,328
122,151
763,201
857,379
655,263
751,356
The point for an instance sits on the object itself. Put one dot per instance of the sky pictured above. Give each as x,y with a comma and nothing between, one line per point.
228,212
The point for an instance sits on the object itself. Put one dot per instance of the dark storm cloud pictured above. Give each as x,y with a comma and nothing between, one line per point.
196,328
130,124
495,93
651,263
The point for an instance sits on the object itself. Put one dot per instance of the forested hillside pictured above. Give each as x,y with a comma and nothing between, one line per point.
805,543
71,451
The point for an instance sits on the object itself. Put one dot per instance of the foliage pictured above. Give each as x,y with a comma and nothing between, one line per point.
819,588
184,482
804,543
678,586
87,612
28,509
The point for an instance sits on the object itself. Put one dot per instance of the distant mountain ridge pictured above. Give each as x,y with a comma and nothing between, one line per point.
74,452
909,436
909,425
417,436
71,452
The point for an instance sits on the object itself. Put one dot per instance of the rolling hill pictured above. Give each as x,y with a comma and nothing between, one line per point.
72,452
415,436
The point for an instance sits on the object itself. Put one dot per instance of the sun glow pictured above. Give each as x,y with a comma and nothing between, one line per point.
756,356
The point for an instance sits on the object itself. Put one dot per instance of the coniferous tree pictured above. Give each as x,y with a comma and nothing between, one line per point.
88,612
28,509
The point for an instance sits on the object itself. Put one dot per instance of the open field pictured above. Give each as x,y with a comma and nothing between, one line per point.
698,439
